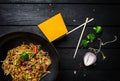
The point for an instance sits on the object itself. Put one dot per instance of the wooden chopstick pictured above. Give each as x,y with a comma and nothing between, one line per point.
80,38
80,26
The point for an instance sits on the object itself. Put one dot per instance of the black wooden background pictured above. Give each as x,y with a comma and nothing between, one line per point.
25,15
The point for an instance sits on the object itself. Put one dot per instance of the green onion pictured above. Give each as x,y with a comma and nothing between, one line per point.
39,47
25,56
85,43
12,76
91,37
98,29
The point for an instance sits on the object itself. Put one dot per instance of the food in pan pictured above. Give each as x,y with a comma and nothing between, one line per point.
27,62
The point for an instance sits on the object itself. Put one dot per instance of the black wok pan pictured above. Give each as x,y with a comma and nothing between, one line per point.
14,39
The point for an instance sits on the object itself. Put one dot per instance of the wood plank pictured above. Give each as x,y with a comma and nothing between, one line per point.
110,63
84,75
9,29
59,1
33,14
107,35
72,39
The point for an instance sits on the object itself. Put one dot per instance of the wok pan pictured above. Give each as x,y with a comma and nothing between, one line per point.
15,39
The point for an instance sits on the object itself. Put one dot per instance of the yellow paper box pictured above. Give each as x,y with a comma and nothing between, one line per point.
54,27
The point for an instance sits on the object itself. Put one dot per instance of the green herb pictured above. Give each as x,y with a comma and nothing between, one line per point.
25,56
31,54
91,37
84,43
98,29
39,47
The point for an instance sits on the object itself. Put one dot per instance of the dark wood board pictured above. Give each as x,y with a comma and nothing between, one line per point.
89,75
110,63
60,1
25,15
71,40
33,14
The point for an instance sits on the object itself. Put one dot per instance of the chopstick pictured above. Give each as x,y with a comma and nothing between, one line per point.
80,38
80,26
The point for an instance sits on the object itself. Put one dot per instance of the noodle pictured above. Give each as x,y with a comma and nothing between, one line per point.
26,63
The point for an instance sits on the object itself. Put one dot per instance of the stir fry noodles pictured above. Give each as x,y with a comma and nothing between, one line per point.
26,63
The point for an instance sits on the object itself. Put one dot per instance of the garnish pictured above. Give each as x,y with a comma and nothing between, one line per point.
39,47
91,37
85,43
25,56
98,29
35,49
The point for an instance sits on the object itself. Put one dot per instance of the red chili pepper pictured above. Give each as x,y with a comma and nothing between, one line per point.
47,69
35,49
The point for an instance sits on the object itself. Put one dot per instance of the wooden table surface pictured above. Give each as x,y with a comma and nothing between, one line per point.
25,15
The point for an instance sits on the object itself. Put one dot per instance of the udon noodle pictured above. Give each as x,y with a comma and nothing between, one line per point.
26,63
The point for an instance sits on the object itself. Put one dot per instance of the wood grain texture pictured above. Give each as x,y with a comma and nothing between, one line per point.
71,40
85,75
33,14
110,63
60,1
25,15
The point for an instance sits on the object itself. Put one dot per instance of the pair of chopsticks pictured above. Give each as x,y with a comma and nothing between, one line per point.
81,35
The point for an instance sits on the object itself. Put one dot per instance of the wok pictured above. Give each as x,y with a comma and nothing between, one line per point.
14,39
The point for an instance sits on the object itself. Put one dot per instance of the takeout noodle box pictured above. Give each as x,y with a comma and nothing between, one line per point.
53,28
